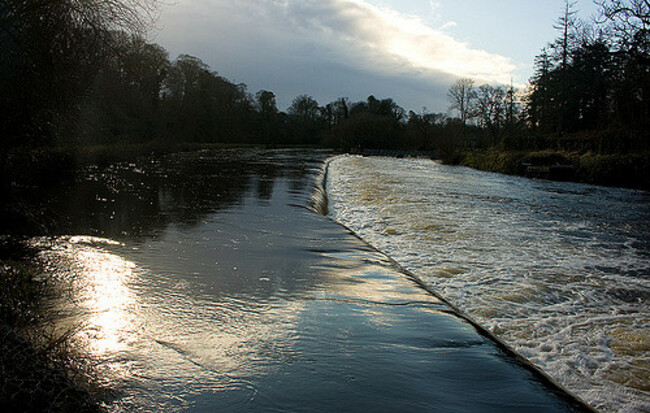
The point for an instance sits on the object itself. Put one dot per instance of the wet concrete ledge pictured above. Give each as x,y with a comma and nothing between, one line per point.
572,401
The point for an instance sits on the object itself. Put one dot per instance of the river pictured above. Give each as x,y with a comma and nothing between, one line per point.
202,282
560,271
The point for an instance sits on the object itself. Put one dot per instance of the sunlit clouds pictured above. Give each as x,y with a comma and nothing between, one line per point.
328,48
385,36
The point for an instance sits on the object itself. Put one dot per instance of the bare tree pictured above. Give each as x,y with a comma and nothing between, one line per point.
490,107
95,16
511,104
631,13
304,107
630,20
567,24
461,93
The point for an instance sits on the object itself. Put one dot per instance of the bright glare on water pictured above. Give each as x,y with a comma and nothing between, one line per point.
560,271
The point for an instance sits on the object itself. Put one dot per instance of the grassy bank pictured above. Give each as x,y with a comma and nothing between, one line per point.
38,373
629,170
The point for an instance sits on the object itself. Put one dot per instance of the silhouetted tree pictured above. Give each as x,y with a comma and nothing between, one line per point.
52,51
371,124
490,107
201,106
425,131
461,94
597,78
304,107
341,110
591,86
629,34
268,109
566,25
123,101
305,116
539,99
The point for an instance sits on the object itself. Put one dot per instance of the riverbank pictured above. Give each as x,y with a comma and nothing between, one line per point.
38,372
628,171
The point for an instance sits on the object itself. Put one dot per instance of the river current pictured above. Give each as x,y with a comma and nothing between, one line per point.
202,282
559,271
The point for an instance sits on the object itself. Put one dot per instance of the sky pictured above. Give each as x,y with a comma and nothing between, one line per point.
409,50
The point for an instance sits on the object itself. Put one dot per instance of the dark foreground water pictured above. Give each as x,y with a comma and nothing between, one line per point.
201,282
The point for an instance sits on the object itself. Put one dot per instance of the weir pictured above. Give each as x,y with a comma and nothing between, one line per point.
320,204
558,270
252,303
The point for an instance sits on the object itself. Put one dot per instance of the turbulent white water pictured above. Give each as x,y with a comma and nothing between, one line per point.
560,271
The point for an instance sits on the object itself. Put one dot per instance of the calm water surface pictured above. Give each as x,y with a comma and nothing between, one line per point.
560,271
201,282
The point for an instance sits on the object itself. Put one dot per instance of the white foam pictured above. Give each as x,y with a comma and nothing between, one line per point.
560,271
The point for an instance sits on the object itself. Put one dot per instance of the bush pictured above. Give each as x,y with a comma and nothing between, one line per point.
616,170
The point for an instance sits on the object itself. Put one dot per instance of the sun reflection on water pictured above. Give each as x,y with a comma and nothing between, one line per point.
108,299
106,307
147,330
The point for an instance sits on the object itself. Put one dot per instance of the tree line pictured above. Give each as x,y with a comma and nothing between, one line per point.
596,77
590,90
76,72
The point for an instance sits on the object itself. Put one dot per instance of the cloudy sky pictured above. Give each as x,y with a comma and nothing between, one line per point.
410,50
